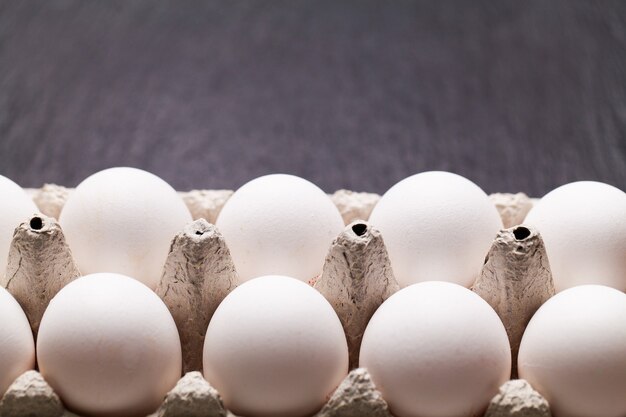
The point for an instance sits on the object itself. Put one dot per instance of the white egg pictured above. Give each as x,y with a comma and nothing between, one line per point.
279,224
17,348
574,352
436,349
275,347
109,346
436,226
15,207
123,220
583,225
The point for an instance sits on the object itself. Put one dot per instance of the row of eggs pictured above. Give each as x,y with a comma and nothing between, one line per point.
122,220
108,346
436,226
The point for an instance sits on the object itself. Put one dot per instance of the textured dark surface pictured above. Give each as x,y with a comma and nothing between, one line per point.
514,95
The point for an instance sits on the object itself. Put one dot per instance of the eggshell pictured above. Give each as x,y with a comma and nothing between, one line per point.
436,226
17,348
15,207
123,220
108,346
275,347
436,349
279,224
583,225
574,352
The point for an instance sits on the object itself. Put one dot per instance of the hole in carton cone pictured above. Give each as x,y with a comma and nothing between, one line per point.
359,229
36,223
521,233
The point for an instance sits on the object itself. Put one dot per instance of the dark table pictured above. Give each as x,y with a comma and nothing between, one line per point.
355,94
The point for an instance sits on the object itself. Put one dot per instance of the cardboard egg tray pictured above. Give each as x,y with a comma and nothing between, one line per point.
41,260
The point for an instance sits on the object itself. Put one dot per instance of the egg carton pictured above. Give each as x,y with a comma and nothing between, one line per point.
515,281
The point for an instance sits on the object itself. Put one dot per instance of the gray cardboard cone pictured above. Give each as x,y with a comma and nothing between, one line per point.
205,204
516,280
356,279
192,397
354,206
40,264
356,396
30,396
517,399
51,198
513,208
198,274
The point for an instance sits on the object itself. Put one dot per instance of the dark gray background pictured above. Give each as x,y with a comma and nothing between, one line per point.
521,95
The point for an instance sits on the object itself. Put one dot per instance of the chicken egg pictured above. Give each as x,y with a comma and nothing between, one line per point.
275,347
436,226
574,352
279,224
108,346
583,225
17,348
436,349
15,207
123,220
